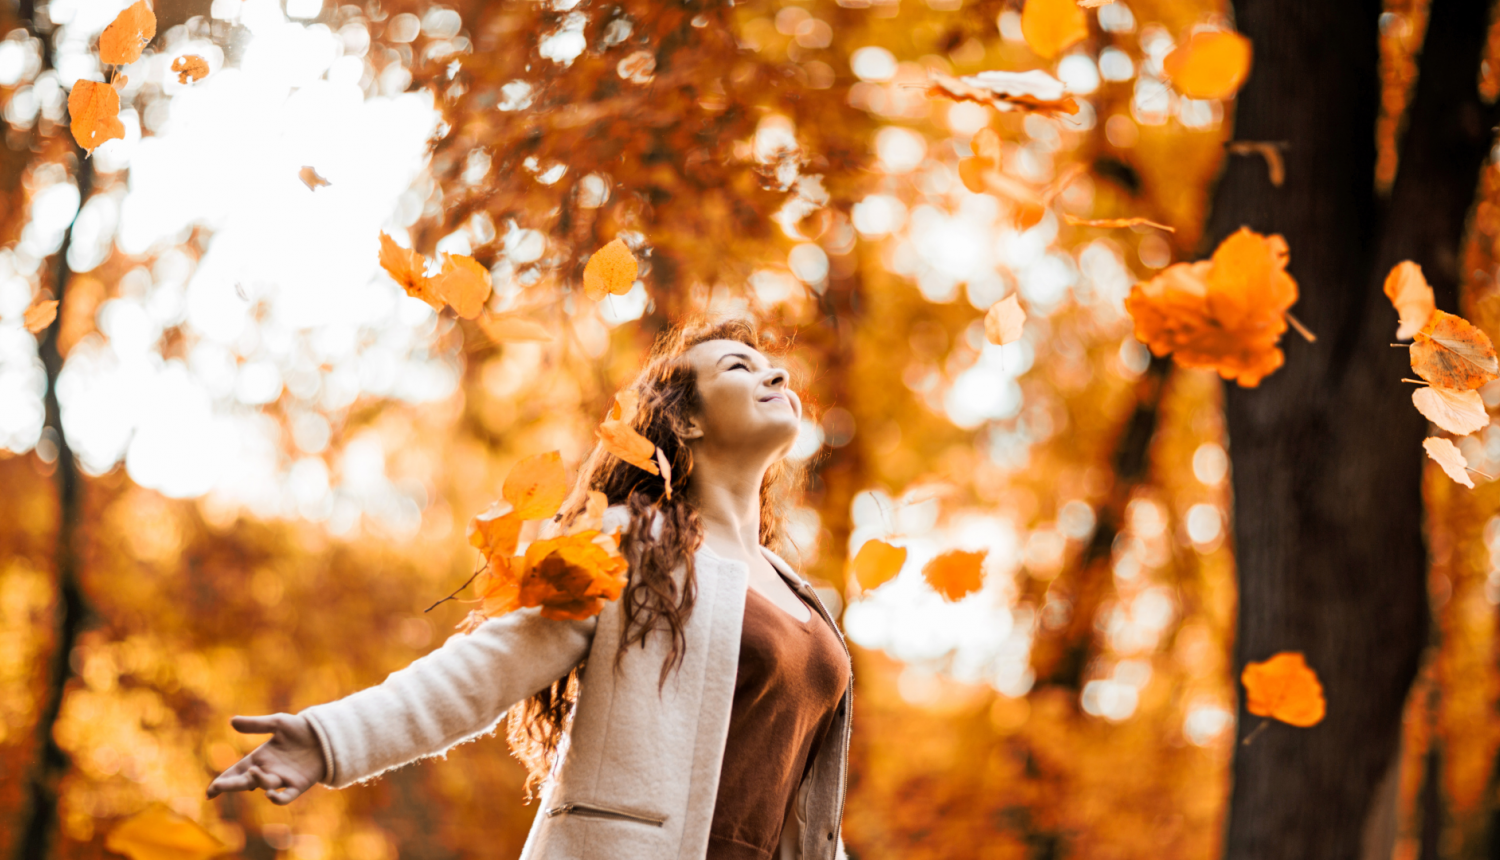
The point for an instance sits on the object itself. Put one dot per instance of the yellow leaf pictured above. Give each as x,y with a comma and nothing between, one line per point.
1411,297
876,563
1454,353
1004,321
1459,411
956,573
1284,688
311,179
463,284
619,437
406,268
496,532
1052,26
94,109
40,315
612,269
1212,64
1447,455
190,67
1113,223
131,31
158,833
536,486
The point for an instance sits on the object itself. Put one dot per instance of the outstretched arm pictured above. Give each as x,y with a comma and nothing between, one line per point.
455,693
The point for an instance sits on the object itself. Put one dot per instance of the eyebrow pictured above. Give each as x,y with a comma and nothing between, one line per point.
748,358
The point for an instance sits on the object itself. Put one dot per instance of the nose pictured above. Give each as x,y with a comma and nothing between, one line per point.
777,378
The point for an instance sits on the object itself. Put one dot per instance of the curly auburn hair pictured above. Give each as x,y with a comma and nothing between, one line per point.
652,601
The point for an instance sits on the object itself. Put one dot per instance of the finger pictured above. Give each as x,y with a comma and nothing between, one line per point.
265,779
283,796
256,725
227,782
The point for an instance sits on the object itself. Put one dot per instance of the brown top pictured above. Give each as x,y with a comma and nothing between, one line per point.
791,678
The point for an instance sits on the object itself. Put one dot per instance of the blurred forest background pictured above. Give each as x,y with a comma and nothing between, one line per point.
240,465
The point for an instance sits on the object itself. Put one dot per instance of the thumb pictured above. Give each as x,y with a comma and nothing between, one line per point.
256,725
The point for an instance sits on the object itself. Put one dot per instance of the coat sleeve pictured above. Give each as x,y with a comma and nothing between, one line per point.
456,693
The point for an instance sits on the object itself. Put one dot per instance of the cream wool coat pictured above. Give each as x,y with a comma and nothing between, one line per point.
639,771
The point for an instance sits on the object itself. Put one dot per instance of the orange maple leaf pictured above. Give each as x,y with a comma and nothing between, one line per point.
612,269
876,563
94,110
1411,297
1284,688
1447,455
571,577
1451,352
1052,26
1459,411
496,532
313,180
158,833
406,268
131,31
955,573
1004,321
1226,313
1211,64
463,284
618,435
40,315
190,67
536,486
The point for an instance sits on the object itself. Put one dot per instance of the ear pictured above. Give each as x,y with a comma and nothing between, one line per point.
694,430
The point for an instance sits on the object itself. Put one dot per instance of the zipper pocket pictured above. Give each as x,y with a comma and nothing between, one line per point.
589,811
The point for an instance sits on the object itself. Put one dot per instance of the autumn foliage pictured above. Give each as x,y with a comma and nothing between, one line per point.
1284,688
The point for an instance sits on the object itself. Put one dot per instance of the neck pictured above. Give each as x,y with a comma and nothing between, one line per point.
728,501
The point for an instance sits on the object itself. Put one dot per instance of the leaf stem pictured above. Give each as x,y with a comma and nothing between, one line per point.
1307,335
1401,345
459,590
1255,733
1479,473
1414,381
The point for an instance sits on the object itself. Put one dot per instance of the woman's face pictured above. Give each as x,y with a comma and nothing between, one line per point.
746,404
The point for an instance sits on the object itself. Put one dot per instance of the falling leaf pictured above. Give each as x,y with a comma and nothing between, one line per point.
496,532
955,573
571,577
312,179
1030,204
1284,688
131,31
406,268
1034,90
1447,455
1115,222
876,563
191,67
463,284
986,157
1268,150
1052,26
1451,352
618,436
611,270
536,486
40,315
512,327
119,82
638,68
1459,411
1226,313
1411,297
158,833
94,108
666,471
1004,321
1212,64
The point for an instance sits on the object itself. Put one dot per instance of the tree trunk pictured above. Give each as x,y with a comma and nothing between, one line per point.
1327,451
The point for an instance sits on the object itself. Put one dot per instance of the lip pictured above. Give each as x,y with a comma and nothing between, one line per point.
781,397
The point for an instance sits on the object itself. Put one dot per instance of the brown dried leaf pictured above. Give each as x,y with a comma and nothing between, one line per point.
191,67
1034,90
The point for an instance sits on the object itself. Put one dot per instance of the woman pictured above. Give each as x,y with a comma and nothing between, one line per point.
705,714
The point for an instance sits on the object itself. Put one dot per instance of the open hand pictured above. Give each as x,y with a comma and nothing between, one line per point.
285,766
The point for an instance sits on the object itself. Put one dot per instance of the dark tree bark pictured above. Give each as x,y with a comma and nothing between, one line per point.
1327,451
